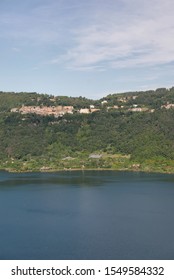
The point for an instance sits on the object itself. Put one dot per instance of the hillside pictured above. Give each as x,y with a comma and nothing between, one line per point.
128,131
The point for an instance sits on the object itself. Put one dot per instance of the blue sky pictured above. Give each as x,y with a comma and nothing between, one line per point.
86,48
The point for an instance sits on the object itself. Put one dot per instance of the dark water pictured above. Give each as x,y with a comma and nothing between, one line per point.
86,215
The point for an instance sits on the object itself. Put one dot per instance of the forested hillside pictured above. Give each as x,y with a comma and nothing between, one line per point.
129,131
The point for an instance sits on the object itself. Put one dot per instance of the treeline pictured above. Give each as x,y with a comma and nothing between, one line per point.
152,99
9,100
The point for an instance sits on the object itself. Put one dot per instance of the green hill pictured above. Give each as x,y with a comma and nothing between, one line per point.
128,131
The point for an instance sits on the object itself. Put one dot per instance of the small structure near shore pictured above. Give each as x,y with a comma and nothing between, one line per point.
95,156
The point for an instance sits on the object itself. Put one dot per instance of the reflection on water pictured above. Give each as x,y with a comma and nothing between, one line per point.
86,215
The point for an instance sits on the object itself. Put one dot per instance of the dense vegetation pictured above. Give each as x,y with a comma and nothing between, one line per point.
110,138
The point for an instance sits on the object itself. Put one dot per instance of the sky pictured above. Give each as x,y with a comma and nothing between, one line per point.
86,48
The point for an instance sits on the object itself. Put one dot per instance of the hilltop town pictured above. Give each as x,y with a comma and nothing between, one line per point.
121,102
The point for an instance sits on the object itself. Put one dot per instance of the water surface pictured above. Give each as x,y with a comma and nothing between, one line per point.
86,215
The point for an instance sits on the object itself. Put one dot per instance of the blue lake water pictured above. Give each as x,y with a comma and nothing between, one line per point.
86,215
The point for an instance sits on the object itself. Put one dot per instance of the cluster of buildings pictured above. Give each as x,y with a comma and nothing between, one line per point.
52,110
45,110
61,110
168,106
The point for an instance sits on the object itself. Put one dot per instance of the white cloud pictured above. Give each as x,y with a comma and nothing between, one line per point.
15,49
97,34
141,33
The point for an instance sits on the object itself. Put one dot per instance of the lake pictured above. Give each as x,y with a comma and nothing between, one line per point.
86,215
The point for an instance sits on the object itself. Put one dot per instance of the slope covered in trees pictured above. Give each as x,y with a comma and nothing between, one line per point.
115,137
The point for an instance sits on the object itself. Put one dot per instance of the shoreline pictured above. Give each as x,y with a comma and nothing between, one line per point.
9,170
